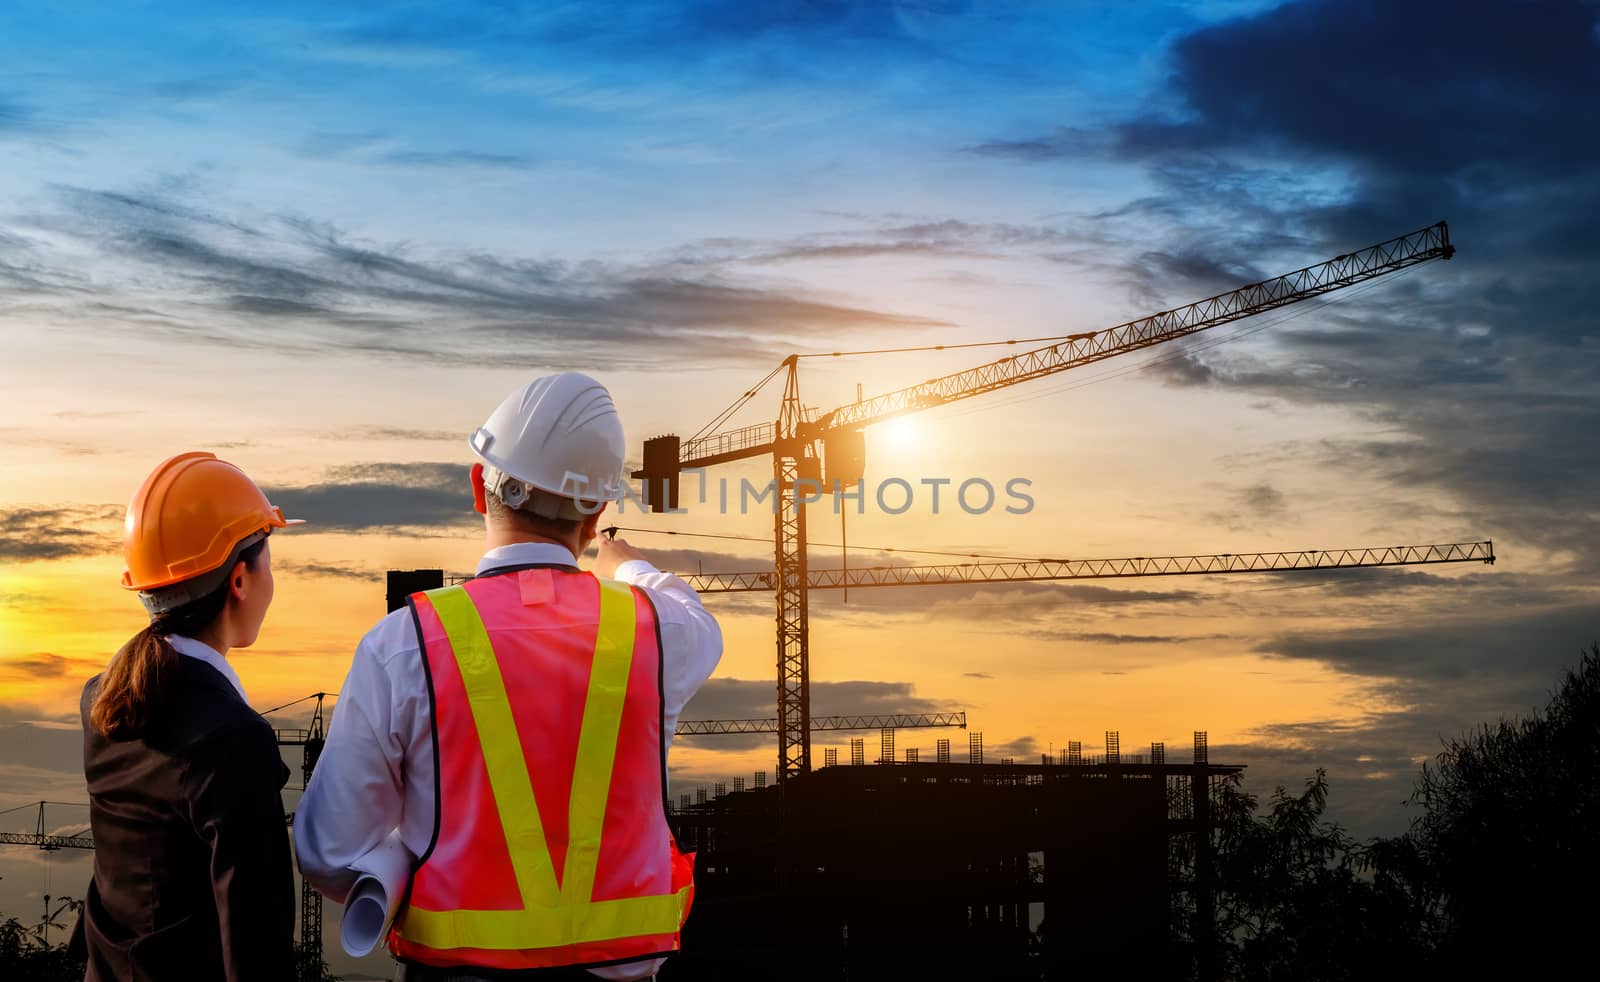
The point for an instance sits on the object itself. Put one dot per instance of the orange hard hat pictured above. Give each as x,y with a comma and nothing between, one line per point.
188,518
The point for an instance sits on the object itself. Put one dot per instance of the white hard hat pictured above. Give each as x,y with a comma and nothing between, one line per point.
560,434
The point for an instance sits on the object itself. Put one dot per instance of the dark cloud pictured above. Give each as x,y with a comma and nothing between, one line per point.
1447,672
363,497
1320,126
1507,658
44,665
1262,500
1022,750
751,699
976,675
1372,758
1391,582
28,534
1253,508
1104,637
1182,367
337,570
1502,82
289,283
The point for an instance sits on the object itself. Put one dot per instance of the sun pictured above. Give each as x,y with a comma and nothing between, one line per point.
900,434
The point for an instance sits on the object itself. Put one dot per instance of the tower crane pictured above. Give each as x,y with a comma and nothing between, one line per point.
799,442
312,738
49,842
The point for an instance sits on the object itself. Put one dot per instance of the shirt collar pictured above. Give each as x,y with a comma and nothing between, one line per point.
200,651
526,554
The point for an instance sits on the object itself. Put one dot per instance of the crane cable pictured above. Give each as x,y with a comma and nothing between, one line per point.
612,530
1182,352
36,804
950,347
314,695
737,405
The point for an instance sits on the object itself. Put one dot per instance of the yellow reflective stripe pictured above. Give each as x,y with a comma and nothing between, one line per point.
597,740
502,748
520,930
550,917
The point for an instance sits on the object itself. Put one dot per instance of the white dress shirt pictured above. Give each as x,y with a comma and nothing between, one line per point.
200,651
376,771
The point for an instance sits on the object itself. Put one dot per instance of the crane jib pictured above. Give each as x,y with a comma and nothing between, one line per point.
1086,348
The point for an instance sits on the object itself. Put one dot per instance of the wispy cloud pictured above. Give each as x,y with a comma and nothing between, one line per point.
13,117
888,239
291,283
386,149
455,159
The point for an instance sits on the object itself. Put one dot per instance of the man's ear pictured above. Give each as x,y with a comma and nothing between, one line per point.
480,501
590,525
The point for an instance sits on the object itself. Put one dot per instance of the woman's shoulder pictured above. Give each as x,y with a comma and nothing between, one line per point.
205,706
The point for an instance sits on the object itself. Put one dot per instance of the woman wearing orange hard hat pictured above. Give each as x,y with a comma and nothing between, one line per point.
192,877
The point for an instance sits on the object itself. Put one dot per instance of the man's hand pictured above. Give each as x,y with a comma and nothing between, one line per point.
613,553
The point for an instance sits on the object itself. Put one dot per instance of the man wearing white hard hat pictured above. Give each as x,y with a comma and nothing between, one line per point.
511,732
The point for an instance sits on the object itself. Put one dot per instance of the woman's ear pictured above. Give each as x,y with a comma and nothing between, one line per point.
236,580
480,501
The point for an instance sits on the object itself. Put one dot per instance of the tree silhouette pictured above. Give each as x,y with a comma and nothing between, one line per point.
24,958
1507,835
1489,879
1297,897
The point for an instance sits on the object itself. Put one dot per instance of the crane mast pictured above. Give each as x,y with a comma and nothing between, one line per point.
796,443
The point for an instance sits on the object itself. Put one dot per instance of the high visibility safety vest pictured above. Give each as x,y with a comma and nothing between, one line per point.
550,844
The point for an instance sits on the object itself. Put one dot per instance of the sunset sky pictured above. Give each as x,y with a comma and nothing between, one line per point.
324,241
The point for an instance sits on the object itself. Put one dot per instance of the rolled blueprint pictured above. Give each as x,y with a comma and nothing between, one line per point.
374,899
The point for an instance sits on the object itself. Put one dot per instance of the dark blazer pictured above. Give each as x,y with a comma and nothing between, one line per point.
192,879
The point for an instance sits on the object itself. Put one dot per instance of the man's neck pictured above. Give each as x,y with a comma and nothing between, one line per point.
495,538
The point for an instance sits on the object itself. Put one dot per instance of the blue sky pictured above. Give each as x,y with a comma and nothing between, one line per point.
738,114
326,239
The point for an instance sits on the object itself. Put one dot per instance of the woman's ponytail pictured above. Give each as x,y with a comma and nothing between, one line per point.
134,686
